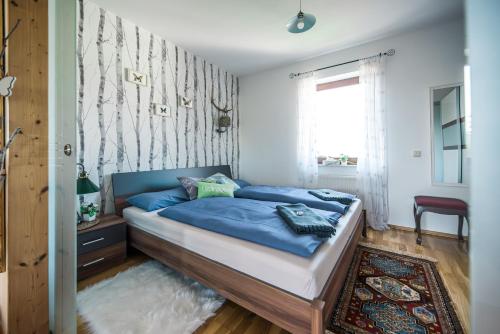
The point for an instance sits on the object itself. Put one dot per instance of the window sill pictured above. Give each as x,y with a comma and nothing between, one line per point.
338,170
337,166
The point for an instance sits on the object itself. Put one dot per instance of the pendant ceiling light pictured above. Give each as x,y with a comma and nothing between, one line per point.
301,22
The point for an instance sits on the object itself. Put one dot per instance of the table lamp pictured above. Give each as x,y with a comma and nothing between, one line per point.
88,211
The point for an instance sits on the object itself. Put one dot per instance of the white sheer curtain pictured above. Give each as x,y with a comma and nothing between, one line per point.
307,162
372,162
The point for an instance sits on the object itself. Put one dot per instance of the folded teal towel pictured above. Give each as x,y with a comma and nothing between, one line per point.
303,220
332,195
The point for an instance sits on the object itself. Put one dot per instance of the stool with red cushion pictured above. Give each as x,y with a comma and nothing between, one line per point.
441,205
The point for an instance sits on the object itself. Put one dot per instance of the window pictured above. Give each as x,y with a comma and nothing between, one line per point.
339,103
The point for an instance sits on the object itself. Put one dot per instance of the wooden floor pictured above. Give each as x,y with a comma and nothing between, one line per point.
453,264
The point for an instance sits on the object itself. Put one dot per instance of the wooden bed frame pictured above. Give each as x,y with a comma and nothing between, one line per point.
289,311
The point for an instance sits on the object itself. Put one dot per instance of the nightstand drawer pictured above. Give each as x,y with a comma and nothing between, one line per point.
97,239
94,262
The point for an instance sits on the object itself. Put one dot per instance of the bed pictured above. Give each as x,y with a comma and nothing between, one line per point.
296,293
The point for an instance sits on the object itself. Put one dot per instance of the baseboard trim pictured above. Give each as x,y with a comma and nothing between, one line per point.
428,232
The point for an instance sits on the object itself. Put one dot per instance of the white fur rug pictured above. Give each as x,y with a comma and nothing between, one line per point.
147,299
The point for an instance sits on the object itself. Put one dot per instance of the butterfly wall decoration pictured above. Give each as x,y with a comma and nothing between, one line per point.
185,102
162,110
137,78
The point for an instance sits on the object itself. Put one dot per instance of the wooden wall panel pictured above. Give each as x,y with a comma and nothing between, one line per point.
3,275
2,198
3,260
27,180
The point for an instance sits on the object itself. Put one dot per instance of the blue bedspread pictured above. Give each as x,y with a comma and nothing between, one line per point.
290,195
246,219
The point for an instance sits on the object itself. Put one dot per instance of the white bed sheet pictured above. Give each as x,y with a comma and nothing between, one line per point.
301,276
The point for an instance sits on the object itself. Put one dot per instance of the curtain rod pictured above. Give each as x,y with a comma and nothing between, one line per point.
390,52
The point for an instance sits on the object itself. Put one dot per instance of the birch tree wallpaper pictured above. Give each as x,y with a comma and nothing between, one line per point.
118,130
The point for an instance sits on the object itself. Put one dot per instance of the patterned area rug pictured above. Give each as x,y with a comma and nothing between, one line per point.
387,292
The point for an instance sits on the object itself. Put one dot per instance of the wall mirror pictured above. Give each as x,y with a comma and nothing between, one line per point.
450,128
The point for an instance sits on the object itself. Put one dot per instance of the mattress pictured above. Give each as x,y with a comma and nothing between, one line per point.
304,277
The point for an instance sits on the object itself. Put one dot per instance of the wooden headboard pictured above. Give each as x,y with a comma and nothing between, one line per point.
132,183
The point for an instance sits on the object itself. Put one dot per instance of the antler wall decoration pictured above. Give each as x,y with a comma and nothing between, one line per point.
224,121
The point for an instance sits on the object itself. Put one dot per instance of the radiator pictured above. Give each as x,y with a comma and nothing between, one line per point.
344,183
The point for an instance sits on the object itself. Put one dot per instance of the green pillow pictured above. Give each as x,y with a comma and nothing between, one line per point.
206,189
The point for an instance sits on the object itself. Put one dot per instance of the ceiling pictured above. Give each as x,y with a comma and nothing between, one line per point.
246,36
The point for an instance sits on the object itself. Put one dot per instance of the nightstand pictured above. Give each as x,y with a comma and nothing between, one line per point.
101,246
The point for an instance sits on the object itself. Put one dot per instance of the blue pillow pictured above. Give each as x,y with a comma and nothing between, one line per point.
242,183
160,199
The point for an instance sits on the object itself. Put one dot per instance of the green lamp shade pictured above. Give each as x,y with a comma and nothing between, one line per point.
302,22
85,186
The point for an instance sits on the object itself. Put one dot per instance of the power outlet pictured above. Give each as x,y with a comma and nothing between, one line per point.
417,154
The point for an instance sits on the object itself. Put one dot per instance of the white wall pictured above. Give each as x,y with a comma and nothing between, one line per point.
425,58
483,33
